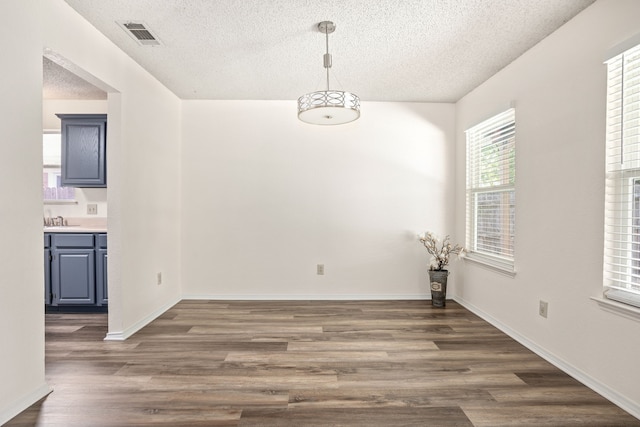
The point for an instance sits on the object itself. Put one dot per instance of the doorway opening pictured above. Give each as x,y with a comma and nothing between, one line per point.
74,215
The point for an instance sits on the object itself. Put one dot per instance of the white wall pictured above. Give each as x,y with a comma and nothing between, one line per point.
559,92
51,107
142,165
50,122
266,198
144,186
21,267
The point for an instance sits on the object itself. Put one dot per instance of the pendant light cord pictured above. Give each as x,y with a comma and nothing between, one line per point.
327,57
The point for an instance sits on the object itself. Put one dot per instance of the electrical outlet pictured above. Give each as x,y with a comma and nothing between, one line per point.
92,209
543,310
320,269
159,277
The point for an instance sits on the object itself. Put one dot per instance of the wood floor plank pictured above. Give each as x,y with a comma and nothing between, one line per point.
305,363
302,357
545,415
360,345
366,417
548,395
382,397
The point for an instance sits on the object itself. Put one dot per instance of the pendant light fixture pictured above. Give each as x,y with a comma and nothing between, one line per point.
328,107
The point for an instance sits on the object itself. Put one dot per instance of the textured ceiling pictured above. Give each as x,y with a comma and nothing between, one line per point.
383,50
58,83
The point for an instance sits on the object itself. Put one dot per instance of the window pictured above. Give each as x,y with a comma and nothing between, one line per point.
52,190
491,167
622,194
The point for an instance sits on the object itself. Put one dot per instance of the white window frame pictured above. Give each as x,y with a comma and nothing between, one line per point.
51,165
476,136
621,270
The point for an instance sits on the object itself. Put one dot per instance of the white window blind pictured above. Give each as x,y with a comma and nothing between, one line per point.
622,198
491,191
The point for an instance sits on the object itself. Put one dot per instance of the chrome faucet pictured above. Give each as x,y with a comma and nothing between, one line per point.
59,221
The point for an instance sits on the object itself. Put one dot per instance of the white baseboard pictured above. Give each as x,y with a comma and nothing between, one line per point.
305,297
123,335
22,403
605,391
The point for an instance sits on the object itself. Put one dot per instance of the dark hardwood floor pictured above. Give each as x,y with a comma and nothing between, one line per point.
294,363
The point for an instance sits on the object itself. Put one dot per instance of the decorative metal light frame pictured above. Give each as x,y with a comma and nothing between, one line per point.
328,107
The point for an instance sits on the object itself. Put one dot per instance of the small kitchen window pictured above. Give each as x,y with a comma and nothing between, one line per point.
52,190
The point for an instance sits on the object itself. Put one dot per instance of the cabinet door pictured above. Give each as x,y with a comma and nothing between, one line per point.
73,276
102,296
84,150
47,276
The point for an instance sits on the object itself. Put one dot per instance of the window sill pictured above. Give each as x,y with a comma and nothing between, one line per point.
497,265
60,202
619,308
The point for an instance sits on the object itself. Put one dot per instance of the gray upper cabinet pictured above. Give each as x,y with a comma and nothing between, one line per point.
84,150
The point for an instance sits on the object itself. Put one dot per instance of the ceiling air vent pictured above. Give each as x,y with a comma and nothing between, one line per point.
140,33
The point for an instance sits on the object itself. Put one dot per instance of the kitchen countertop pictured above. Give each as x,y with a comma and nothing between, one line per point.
79,225
75,229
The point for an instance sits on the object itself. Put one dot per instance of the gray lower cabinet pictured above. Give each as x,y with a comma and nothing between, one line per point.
47,269
101,270
76,270
73,276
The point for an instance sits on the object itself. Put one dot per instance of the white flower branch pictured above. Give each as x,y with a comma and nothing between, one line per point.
440,251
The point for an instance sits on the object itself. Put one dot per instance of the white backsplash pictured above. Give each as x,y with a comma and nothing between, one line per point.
84,196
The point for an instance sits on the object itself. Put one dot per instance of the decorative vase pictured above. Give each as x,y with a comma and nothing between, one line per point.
438,285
